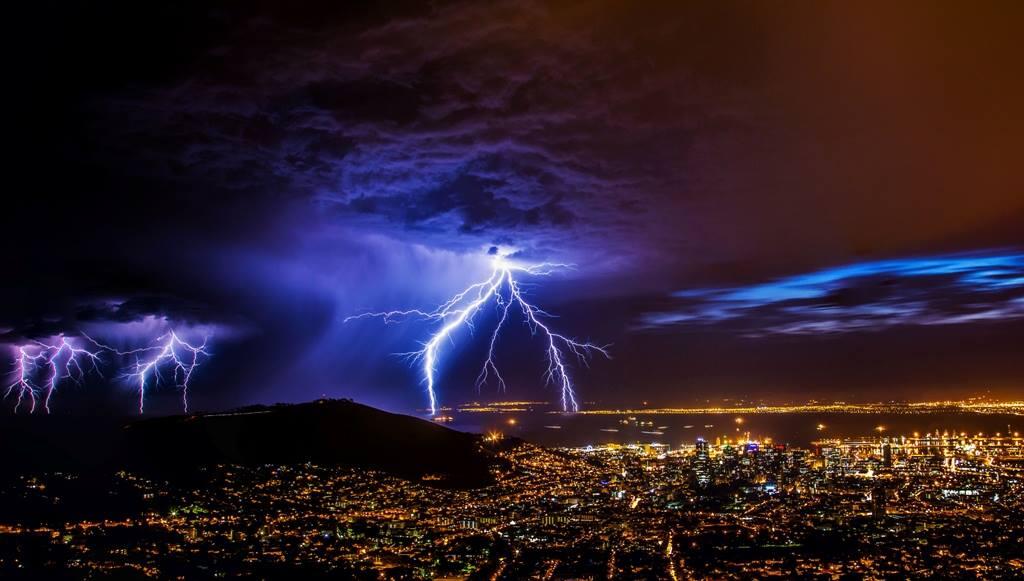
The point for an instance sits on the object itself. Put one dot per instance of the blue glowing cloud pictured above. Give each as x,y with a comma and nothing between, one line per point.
936,290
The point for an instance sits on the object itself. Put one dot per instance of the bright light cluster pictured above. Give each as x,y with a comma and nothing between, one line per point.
504,291
39,366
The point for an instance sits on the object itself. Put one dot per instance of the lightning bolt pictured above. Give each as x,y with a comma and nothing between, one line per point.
63,359
168,350
501,288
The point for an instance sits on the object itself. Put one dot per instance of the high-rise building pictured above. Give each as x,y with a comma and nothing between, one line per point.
833,460
878,499
702,462
798,459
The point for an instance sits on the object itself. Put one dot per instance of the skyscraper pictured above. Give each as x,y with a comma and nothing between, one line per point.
702,463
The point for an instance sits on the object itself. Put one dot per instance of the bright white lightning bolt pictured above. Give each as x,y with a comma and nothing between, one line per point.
62,358
168,350
503,288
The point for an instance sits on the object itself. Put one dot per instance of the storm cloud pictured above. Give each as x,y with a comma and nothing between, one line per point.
267,169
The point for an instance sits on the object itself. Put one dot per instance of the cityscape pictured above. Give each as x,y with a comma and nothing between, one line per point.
933,505
501,290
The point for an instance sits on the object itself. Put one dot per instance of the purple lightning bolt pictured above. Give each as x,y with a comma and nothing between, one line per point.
168,350
504,290
63,360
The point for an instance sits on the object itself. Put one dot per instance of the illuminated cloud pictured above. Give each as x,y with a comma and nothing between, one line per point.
265,169
144,341
865,296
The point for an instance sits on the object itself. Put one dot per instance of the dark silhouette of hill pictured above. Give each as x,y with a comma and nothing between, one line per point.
320,432
328,432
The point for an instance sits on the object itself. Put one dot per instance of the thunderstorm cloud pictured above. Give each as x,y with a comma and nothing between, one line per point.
261,171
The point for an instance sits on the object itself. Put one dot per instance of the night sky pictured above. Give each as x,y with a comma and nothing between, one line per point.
824,201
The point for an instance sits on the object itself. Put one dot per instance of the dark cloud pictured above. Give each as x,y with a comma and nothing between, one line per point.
114,315
273,166
419,117
647,128
139,308
365,100
467,202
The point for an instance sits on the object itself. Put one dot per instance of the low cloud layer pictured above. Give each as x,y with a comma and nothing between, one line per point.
866,296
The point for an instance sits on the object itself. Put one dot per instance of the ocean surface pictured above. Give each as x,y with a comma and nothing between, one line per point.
799,429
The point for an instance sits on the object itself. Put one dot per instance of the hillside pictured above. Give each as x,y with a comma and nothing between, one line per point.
323,432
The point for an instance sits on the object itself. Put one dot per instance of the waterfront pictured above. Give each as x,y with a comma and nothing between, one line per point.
799,428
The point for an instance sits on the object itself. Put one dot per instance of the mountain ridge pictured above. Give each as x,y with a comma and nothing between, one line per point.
324,431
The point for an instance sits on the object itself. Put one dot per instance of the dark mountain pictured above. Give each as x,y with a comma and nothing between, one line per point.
322,432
